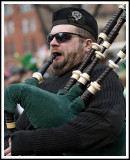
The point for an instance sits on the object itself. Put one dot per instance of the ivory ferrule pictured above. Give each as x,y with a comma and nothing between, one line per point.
106,44
121,6
96,46
99,55
103,36
94,87
84,78
113,65
121,54
37,75
76,74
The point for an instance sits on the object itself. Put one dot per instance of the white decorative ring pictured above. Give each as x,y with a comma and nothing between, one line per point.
122,6
106,44
96,46
99,55
94,87
37,75
103,36
113,65
121,55
84,78
76,74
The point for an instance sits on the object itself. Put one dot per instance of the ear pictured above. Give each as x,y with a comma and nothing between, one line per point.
88,43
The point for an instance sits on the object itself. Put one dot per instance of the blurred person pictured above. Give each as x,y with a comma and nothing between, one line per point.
6,81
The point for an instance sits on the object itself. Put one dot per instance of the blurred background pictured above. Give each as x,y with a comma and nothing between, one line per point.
26,27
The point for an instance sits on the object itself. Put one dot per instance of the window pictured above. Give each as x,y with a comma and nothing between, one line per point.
28,25
11,27
26,46
26,8
33,43
12,49
5,48
8,9
5,30
32,24
25,28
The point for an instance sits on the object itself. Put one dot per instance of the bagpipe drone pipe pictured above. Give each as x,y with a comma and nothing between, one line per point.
41,105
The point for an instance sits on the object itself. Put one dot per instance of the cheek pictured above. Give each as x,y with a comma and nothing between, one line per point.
71,50
73,47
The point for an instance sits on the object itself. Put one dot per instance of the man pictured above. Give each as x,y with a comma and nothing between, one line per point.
97,128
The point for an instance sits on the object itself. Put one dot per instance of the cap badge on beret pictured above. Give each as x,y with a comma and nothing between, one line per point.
77,15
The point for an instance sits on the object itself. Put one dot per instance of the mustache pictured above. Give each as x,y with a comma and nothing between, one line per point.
55,51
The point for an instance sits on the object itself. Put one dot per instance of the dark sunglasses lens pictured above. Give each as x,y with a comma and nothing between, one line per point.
60,37
64,37
50,38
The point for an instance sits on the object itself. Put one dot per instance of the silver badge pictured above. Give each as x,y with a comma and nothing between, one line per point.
77,15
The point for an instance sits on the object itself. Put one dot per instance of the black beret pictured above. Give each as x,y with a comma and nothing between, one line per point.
77,17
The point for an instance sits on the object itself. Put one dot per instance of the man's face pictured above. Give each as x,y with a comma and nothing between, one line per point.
70,52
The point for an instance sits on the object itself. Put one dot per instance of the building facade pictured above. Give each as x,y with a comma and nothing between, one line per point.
22,31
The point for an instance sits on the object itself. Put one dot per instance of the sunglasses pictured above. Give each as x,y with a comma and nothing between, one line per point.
62,37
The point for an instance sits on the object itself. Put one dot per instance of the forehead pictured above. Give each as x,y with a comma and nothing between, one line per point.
63,28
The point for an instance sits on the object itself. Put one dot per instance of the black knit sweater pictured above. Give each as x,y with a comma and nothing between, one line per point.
98,126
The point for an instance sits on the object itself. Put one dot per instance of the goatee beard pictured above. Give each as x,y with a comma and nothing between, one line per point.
59,69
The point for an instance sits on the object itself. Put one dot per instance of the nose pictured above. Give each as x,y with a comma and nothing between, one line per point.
54,42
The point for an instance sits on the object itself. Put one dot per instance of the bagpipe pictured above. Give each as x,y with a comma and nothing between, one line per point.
69,102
